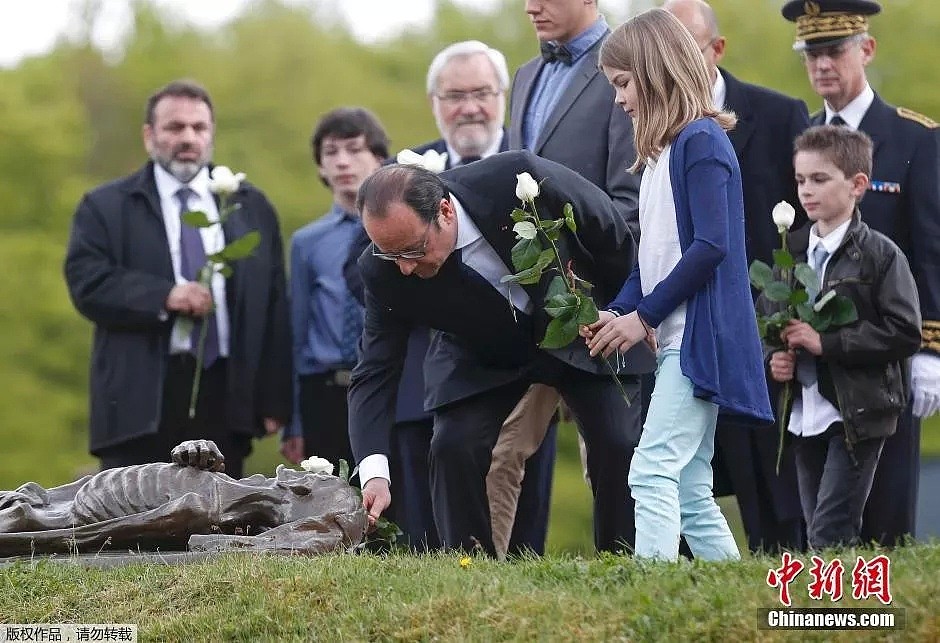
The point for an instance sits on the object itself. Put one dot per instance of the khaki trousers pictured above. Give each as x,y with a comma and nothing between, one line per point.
520,437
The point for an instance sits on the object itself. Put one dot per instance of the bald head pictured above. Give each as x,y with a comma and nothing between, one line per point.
699,18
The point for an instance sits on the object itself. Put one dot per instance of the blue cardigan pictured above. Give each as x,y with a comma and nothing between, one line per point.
721,351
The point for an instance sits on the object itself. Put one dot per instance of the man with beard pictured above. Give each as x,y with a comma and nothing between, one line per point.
467,84
131,269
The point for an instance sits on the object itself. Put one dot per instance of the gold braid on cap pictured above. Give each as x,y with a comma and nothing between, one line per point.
829,25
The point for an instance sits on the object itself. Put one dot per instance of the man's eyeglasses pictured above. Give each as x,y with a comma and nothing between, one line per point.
407,254
475,95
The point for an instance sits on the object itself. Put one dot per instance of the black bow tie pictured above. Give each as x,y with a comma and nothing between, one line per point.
552,52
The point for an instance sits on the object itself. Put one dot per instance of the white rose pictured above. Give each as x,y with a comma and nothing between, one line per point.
316,464
783,215
435,161
222,181
407,157
527,188
430,160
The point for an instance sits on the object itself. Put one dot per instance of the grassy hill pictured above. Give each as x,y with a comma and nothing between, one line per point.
408,598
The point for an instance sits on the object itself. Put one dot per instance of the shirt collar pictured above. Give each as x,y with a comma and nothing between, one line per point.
490,151
831,241
854,112
719,90
168,185
579,45
467,230
337,211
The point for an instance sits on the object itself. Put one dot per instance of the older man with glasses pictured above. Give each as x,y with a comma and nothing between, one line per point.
903,202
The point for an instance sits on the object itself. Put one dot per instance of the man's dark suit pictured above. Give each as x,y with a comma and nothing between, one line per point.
119,273
586,131
486,355
530,528
906,157
746,455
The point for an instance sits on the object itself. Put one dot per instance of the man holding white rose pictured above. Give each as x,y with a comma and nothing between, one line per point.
132,269
441,247
902,202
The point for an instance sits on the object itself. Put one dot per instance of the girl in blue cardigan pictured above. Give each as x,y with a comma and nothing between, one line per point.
689,294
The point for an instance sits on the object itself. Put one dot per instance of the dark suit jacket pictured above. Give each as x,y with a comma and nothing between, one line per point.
586,132
907,153
768,123
409,406
119,273
482,346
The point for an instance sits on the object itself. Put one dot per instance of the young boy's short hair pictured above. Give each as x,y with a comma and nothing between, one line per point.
350,122
849,150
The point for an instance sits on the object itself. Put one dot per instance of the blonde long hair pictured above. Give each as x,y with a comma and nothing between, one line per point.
671,79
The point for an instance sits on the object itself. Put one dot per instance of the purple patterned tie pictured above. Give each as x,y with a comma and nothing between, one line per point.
192,259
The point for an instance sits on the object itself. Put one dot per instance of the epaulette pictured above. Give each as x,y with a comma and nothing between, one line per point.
930,336
911,115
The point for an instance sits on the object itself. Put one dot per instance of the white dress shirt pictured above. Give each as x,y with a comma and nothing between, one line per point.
812,414
854,112
213,240
719,90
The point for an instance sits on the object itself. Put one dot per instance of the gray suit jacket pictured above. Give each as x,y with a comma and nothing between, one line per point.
586,132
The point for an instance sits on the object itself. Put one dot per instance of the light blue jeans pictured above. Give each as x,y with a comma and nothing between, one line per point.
671,473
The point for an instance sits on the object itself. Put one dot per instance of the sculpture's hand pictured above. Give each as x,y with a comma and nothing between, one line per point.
202,454
375,498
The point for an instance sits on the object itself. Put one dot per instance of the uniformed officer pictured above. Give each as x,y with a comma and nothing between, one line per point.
903,202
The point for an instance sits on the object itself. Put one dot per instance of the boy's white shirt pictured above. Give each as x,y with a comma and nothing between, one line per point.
812,414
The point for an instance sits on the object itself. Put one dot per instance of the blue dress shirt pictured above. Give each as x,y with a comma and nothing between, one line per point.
319,294
553,79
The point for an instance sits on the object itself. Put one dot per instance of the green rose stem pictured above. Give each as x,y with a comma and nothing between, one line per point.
205,278
786,395
218,262
570,285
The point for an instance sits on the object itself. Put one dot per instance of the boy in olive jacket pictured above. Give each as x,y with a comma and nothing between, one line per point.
853,379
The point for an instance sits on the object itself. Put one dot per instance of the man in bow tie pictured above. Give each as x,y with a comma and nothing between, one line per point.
130,271
902,202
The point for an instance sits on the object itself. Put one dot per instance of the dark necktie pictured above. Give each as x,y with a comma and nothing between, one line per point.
192,259
552,53
805,362
838,120
467,160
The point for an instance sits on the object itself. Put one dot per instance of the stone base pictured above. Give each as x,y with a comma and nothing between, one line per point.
107,560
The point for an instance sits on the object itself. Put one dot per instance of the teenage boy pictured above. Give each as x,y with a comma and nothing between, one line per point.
854,380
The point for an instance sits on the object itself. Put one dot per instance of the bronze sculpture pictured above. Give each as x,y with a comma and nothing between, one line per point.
167,506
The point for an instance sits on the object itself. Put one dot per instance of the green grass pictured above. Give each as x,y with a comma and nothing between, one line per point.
407,598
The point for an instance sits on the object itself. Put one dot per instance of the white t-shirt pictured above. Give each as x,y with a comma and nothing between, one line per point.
659,250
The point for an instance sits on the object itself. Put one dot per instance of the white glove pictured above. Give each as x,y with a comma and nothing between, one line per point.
925,383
